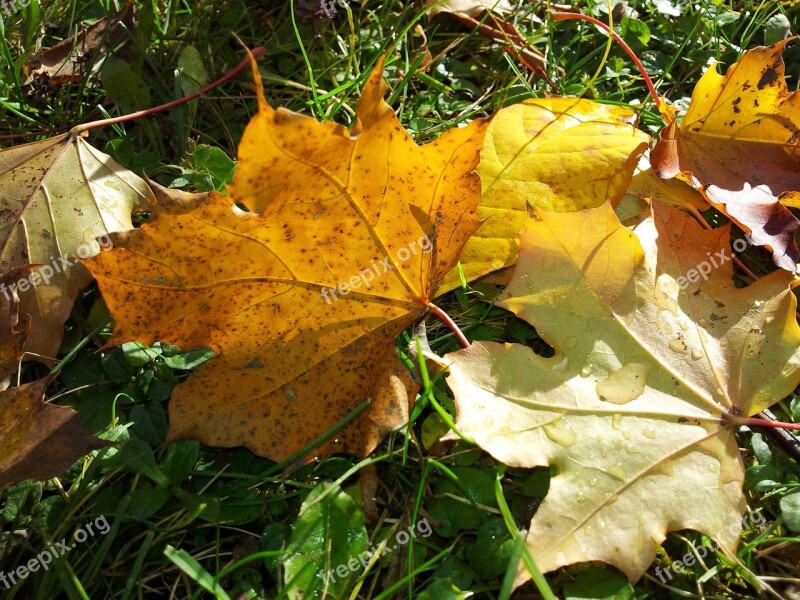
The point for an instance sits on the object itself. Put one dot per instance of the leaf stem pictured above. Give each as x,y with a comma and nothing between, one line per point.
568,16
758,422
773,427
19,136
450,323
251,56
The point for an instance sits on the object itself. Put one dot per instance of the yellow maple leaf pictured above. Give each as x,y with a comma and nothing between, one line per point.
560,154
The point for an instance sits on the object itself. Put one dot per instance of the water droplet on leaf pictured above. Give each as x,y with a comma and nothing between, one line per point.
560,432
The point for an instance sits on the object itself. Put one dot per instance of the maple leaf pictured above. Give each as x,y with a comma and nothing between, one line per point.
40,440
737,144
57,196
633,409
560,154
302,301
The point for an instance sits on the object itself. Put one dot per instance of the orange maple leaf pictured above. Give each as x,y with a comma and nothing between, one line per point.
302,299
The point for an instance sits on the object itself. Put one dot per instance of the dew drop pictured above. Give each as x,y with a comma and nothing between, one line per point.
617,471
758,304
560,432
625,384
593,482
587,370
616,421
562,366
581,498
663,327
649,433
677,346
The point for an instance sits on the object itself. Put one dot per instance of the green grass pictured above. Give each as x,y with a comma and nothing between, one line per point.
188,521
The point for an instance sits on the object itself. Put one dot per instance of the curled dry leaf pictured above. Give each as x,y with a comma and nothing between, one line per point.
471,14
40,440
302,299
69,60
57,197
738,145
633,408
559,154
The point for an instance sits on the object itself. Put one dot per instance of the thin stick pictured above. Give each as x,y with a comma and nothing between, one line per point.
519,45
246,61
450,323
